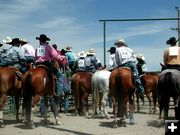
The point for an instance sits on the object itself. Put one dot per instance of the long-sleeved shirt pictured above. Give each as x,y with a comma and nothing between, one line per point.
112,62
46,53
28,50
15,55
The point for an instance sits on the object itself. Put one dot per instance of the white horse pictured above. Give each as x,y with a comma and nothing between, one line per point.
100,84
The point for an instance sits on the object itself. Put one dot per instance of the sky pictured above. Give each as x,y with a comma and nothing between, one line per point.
76,23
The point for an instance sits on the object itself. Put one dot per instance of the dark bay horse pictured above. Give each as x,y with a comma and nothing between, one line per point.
169,86
150,82
10,85
81,88
122,88
39,82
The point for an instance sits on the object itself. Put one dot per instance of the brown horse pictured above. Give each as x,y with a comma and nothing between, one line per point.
150,83
10,85
122,90
39,82
81,88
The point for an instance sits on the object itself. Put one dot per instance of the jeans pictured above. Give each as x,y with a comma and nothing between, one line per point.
42,105
66,102
133,68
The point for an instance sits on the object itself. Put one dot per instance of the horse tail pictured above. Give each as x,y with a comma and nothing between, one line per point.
118,85
27,96
167,79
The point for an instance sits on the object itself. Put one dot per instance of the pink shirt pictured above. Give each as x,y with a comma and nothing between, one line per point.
46,53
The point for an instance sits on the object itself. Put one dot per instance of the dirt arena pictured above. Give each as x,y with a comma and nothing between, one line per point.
145,124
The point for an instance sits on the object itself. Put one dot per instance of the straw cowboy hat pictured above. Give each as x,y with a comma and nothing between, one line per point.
68,49
7,40
91,52
140,56
43,37
120,41
171,40
82,54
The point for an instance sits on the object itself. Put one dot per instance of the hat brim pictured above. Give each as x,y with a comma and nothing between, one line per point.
117,43
47,39
89,53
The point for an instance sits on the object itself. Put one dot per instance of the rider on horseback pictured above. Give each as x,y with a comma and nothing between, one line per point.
79,64
141,64
172,55
46,53
92,63
14,56
125,57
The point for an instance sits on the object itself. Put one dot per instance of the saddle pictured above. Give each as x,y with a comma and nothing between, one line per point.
18,73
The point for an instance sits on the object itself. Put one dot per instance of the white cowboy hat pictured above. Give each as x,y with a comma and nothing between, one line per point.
140,56
91,52
120,41
82,54
7,40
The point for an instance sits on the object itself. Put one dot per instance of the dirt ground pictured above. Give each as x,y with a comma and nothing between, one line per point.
145,124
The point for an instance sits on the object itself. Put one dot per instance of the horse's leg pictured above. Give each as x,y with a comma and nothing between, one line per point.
104,104
137,102
46,121
154,94
36,99
56,114
131,108
17,107
3,100
166,107
84,102
149,99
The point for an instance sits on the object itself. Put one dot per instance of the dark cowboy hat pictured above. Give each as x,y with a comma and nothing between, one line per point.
15,40
112,49
1,44
43,37
171,40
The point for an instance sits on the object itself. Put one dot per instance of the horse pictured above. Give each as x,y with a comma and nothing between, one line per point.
169,86
150,82
10,85
122,88
100,91
39,82
81,88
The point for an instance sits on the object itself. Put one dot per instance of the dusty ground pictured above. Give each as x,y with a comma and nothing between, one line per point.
145,124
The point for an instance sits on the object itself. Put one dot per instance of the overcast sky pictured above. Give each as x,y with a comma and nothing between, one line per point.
76,23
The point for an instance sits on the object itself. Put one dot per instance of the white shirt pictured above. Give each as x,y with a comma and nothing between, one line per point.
123,55
28,50
112,62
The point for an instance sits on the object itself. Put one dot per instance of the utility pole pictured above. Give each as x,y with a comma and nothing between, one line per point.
178,27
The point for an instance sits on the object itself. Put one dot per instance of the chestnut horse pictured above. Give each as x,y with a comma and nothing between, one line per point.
169,86
10,85
150,82
39,82
122,88
81,88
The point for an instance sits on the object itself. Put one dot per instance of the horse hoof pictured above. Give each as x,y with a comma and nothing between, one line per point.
2,125
30,125
58,122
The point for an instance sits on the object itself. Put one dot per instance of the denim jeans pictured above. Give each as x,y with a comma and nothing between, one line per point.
133,68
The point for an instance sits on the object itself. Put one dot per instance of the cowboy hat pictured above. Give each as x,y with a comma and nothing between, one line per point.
43,37
140,56
120,41
82,54
171,40
23,40
112,49
68,49
1,44
15,40
7,40
91,52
